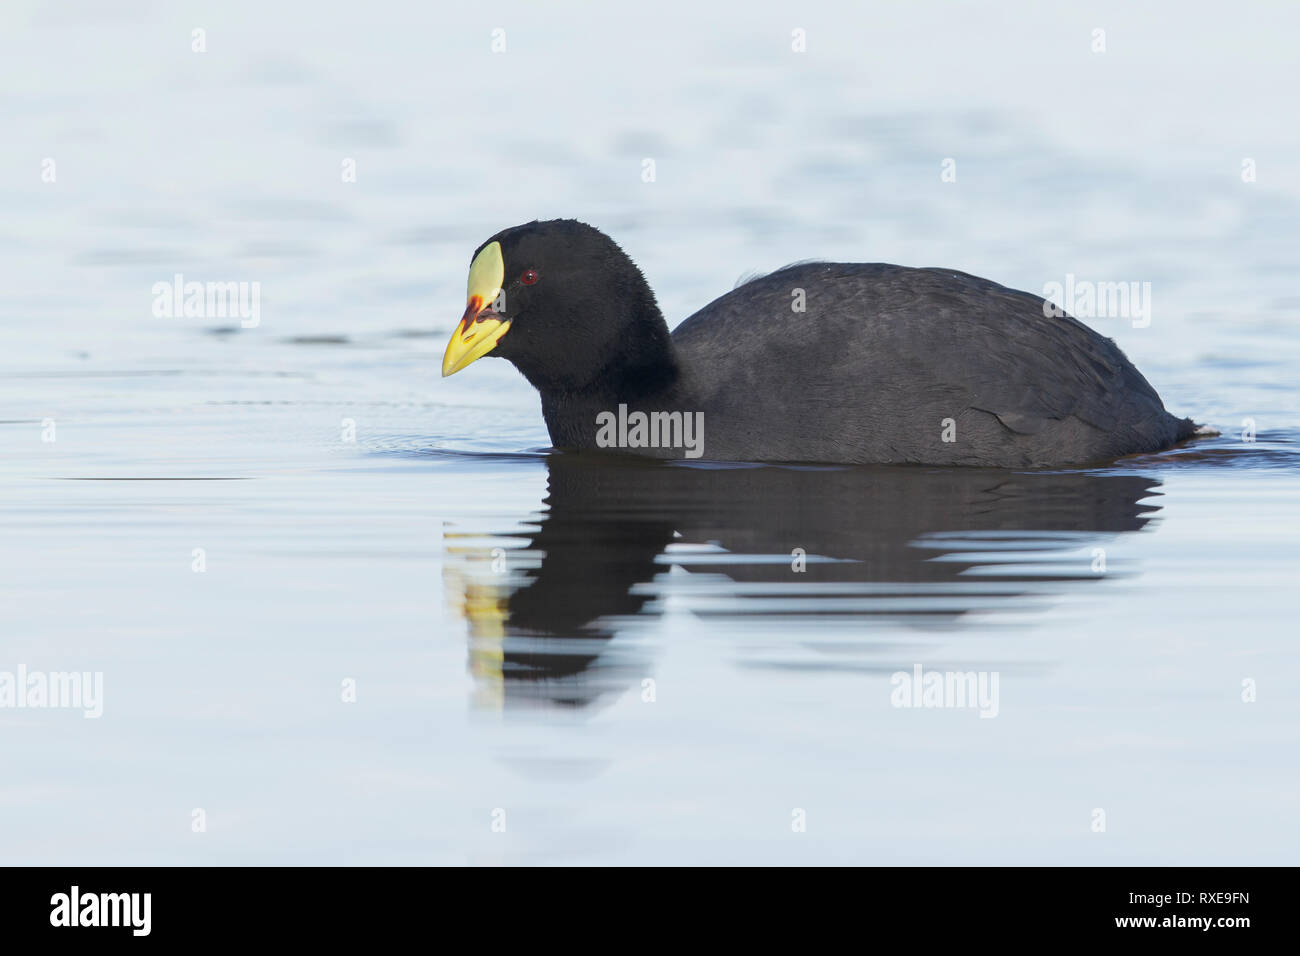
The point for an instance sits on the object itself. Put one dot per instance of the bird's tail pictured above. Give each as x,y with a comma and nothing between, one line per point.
1189,429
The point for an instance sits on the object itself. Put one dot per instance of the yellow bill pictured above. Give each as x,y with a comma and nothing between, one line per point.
480,327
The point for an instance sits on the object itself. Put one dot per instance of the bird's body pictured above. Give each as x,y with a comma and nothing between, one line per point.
824,362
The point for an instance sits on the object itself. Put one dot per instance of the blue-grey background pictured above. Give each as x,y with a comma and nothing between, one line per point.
330,560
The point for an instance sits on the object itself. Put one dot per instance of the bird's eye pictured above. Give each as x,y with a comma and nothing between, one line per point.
529,277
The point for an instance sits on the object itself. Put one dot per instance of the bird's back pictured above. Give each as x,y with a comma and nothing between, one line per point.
876,362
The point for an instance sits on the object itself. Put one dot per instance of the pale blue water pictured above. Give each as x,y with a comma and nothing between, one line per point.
522,687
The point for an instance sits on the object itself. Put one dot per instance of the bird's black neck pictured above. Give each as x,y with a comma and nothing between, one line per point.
643,374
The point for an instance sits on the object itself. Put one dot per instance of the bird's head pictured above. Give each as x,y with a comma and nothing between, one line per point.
561,301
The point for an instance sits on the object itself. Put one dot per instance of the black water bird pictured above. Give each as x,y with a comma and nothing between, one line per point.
816,362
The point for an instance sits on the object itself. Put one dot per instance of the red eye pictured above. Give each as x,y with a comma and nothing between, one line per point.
529,277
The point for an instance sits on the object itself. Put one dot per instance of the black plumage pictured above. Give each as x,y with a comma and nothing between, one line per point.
884,363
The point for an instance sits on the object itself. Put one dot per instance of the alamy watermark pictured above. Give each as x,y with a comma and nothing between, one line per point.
946,689
1084,299
78,908
76,690
208,300
624,429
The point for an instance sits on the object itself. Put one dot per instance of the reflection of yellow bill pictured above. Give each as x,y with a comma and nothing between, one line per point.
483,606
480,328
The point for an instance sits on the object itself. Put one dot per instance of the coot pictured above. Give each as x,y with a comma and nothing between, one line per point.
816,362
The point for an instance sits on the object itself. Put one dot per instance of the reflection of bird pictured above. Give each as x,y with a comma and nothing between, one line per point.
820,362
609,522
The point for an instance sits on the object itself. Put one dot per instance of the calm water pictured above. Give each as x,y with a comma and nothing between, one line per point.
615,660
